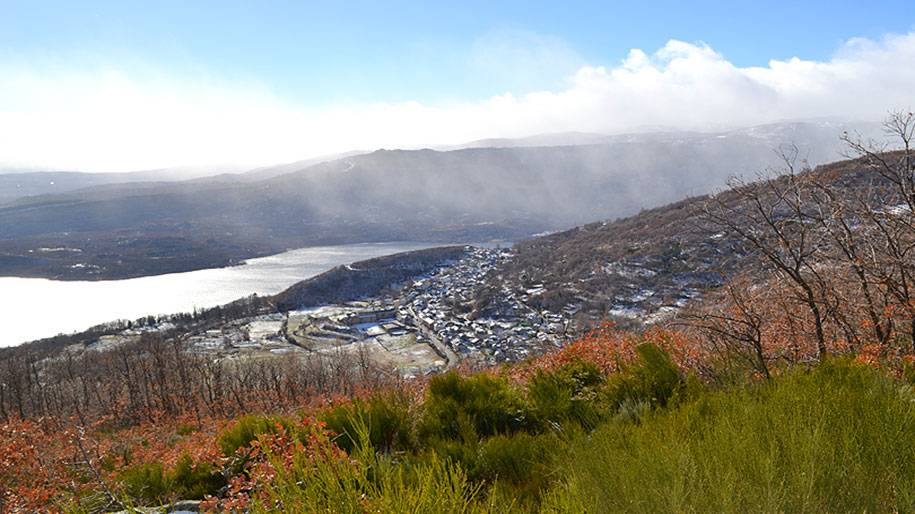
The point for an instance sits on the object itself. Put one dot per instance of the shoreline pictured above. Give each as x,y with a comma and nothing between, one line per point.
234,262
68,307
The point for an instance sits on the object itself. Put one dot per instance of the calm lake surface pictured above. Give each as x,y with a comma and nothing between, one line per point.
32,308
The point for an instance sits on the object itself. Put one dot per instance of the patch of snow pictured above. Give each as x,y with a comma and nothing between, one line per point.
642,295
261,330
628,271
626,312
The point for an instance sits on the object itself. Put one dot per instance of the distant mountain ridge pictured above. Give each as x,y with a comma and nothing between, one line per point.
471,194
16,184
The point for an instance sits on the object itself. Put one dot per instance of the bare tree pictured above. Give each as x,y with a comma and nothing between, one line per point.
736,324
773,218
838,215
889,212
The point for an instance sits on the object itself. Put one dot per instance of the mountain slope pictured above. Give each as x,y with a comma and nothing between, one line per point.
423,195
644,266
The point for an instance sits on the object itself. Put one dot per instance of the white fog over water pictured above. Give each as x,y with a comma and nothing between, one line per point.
33,308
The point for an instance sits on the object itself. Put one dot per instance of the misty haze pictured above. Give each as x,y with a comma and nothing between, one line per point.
457,258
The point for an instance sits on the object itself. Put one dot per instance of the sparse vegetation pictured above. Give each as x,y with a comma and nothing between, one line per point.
829,437
790,389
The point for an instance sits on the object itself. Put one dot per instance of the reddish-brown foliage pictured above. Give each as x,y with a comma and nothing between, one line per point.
48,461
610,349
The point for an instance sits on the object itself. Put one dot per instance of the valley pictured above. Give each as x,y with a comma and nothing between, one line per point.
492,354
457,257
507,191
403,320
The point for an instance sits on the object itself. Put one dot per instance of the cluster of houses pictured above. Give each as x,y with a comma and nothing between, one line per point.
439,304
425,325
437,309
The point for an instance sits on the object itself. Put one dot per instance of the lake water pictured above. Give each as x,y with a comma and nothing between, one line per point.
32,308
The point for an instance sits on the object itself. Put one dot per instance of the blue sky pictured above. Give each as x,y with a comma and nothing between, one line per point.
396,51
125,85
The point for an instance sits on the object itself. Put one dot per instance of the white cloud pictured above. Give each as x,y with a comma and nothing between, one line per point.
111,119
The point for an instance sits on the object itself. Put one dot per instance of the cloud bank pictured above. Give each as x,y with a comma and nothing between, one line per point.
109,119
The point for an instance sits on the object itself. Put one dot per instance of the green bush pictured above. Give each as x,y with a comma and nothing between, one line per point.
248,428
523,461
652,380
458,453
151,483
366,481
569,393
385,416
469,408
834,439
146,482
185,429
190,481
